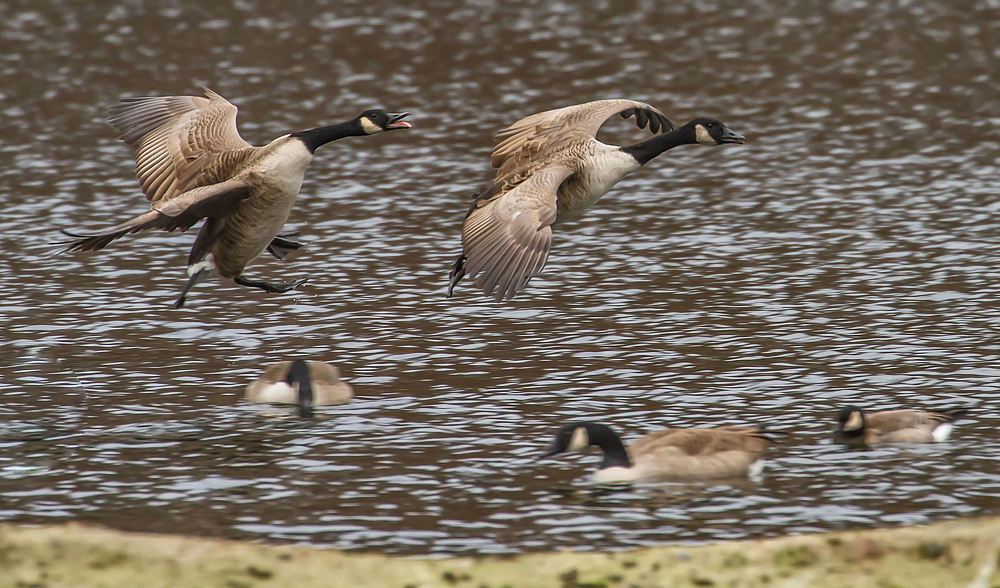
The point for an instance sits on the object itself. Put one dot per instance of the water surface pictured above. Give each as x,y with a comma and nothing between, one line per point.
847,253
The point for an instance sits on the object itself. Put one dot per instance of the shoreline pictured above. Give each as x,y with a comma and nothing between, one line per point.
959,553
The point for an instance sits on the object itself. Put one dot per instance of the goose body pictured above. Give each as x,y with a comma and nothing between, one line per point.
857,427
550,169
193,164
668,455
303,383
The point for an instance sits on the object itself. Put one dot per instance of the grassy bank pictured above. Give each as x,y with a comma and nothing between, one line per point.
953,554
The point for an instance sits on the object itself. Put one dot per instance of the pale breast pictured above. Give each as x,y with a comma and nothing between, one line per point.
254,222
600,168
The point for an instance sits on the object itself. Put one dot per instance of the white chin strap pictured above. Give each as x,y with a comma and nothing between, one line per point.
369,127
701,134
579,441
854,422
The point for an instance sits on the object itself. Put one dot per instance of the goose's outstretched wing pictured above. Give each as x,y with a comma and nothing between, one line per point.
507,237
537,131
176,138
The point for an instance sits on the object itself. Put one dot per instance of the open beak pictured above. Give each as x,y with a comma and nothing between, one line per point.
731,137
396,121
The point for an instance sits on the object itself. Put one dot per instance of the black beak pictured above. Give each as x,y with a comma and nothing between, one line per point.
396,121
731,137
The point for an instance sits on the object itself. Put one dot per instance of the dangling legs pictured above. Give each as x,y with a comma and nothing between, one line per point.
198,272
273,287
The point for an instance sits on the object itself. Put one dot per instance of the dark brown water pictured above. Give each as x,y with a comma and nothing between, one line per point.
849,252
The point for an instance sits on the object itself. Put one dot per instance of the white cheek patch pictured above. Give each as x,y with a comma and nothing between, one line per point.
854,422
369,127
701,134
579,441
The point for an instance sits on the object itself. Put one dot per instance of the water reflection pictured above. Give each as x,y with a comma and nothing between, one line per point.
846,253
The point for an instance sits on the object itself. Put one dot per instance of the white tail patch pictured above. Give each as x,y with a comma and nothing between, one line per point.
942,432
756,469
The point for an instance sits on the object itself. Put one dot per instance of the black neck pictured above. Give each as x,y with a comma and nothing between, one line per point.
615,455
298,373
315,138
856,437
650,148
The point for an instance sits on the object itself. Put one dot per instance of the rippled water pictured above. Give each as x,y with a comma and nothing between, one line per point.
847,253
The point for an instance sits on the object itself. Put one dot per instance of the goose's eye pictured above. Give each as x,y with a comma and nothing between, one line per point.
371,116
710,125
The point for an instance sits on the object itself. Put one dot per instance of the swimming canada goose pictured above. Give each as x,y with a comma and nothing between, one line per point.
305,383
193,164
856,427
550,169
668,455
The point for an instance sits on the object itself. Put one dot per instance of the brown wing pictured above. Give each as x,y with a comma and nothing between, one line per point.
908,435
179,213
507,235
175,138
699,454
704,441
533,133
323,373
897,420
275,373
327,386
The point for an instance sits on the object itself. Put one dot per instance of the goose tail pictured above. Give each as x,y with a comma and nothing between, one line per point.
95,241
954,414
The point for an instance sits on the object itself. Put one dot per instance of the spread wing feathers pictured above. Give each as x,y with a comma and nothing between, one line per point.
180,213
538,130
175,137
507,239
703,442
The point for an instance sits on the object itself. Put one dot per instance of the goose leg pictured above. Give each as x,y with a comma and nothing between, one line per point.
273,287
187,287
198,272
456,274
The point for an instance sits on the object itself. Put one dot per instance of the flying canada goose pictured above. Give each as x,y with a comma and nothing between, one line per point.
193,164
550,169
668,455
856,427
305,383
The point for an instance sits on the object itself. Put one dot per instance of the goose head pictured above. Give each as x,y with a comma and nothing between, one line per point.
376,120
850,422
579,436
710,131
850,419
572,437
